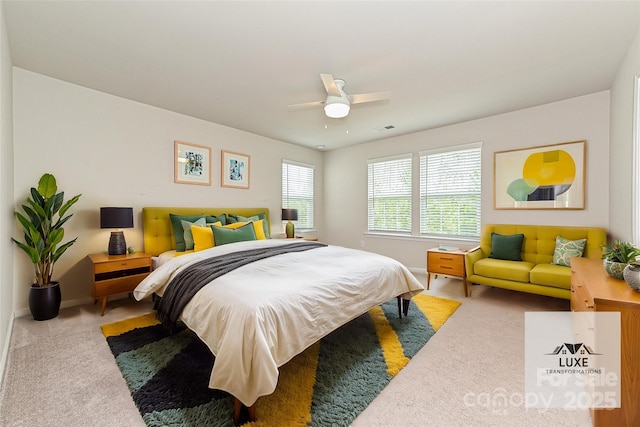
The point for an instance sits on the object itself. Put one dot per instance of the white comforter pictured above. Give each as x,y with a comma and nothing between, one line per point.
257,317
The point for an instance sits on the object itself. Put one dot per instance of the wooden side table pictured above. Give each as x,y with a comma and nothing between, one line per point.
447,263
118,274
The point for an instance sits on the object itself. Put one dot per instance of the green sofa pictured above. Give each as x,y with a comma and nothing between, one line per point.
535,273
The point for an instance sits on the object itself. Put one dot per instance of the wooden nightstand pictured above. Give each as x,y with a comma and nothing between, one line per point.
447,263
118,274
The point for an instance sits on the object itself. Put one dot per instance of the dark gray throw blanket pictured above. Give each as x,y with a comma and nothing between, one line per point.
193,278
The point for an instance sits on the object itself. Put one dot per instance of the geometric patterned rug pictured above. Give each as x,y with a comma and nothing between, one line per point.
328,384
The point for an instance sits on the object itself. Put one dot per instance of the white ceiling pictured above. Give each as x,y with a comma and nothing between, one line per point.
241,63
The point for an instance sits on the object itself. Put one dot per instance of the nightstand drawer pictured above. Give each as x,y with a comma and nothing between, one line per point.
117,286
118,265
443,263
446,263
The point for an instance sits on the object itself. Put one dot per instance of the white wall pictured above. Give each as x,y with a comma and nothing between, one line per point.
6,193
585,117
118,152
620,162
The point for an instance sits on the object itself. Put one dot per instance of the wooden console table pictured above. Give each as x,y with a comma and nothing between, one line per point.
592,289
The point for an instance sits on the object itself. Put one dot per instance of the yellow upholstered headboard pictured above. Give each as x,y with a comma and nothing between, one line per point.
158,233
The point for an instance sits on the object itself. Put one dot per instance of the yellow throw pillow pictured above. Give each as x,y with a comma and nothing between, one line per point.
203,237
234,225
259,228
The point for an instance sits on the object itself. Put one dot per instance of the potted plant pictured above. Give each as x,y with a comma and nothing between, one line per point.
43,218
617,255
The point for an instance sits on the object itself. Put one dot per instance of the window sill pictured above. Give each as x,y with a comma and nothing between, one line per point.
397,236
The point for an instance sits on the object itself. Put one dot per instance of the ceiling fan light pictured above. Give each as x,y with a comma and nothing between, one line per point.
336,109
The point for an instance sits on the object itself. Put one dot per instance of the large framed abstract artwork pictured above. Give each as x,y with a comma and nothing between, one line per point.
235,170
192,164
543,177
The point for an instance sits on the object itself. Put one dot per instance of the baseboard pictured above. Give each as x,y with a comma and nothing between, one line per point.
65,304
5,351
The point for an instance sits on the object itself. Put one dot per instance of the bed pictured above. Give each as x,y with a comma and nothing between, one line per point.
257,317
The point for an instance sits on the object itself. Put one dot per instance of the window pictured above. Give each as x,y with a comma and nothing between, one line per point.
450,191
390,194
297,192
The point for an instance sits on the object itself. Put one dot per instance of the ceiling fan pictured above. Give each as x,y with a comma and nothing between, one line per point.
338,103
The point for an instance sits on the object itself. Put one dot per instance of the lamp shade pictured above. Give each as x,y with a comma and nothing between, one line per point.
290,214
116,217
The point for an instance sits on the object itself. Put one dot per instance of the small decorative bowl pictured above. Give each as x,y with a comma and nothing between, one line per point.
614,269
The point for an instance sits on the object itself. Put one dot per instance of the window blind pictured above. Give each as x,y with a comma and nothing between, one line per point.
389,194
450,192
297,192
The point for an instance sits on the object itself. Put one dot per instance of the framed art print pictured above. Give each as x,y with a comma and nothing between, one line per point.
543,177
235,170
192,163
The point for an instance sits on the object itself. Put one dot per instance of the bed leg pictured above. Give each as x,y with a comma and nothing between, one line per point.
403,306
243,414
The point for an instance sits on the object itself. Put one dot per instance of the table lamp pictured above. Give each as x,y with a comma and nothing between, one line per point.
289,215
116,218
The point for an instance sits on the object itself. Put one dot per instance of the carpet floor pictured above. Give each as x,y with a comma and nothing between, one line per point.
62,373
328,384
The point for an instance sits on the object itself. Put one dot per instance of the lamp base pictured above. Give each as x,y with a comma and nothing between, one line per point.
117,244
289,230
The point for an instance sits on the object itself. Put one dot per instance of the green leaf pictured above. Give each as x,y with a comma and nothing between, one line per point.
58,253
55,237
32,253
58,199
47,186
69,203
60,222
37,197
48,207
38,208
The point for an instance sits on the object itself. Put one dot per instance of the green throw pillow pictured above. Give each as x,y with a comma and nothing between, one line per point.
232,218
222,236
220,218
178,231
566,248
506,247
188,235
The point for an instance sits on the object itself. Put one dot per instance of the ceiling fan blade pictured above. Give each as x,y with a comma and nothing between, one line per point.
369,97
306,105
330,85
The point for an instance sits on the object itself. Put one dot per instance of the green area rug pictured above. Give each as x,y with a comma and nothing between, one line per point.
328,384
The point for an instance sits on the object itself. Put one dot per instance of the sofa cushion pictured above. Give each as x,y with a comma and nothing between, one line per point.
506,247
557,276
517,271
565,249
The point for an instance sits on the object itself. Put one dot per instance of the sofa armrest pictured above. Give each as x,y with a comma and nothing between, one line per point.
471,257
